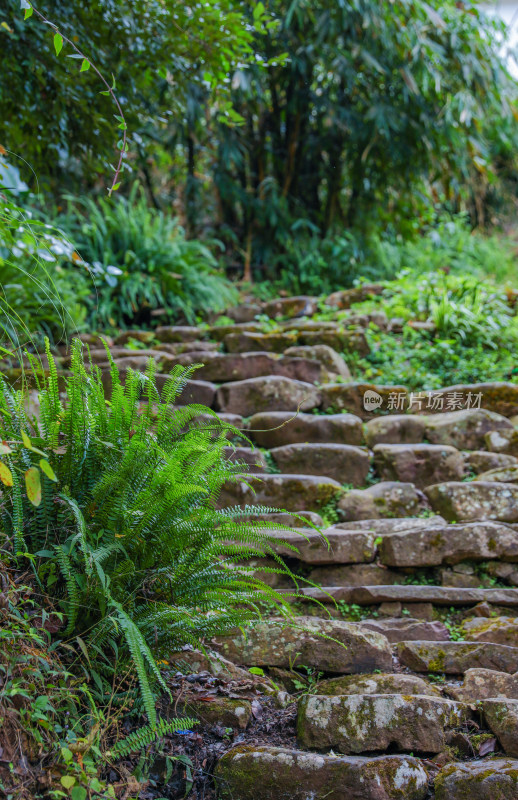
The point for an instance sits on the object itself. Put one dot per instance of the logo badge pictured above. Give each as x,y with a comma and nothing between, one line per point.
371,400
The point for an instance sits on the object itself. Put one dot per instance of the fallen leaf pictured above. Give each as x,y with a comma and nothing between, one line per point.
489,746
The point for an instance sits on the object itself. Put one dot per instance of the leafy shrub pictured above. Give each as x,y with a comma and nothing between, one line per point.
41,283
340,260
44,708
143,263
118,517
461,308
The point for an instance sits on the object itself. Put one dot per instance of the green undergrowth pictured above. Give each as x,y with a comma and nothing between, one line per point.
109,512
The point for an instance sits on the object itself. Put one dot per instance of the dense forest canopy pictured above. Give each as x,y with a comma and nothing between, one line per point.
258,121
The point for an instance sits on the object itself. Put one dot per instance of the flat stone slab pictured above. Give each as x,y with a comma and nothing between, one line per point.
277,643
354,575
175,333
399,629
390,683
342,462
385,499
332,362
500,397
271,393
227,367
395,429
438,595
502,630
297,306
457,657
289,492
481,684
465,428
282,773
246,341
354,398
490,779
333,547
366,723
450,544
479,461
420,464
478,500
276,428
388,525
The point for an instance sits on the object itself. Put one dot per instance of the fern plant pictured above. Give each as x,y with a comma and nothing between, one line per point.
122,527
143,262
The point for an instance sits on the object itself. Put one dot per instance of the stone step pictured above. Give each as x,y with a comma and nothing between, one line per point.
344,463
340,339
500,397
354,574
379,683
231,367
290,492
478,500
291,307
438,595
384,499
500,475
449,544
330,360
479,461
218,332
327,645
355,724
248,341
333,546
494,779
284,773
501,630
457,657
420,464
271,393
464,429
399,629
388,525
278,428
481,684
365,400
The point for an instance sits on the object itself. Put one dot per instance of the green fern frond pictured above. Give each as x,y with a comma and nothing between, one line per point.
143,737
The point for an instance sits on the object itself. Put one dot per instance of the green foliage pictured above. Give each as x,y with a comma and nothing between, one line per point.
373,114
156,51
314,265
42,704
145,736
474,333
42,280
143,266
461,308
128,540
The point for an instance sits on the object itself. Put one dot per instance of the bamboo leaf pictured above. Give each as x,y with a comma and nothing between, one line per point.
58,43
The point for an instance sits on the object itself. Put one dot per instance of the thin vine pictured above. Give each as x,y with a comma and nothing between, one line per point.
86,64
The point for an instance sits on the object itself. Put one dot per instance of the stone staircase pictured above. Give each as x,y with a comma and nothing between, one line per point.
414,638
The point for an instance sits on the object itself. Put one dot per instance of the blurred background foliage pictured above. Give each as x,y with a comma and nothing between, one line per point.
300,144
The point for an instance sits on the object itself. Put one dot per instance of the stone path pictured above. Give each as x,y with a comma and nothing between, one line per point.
417,695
